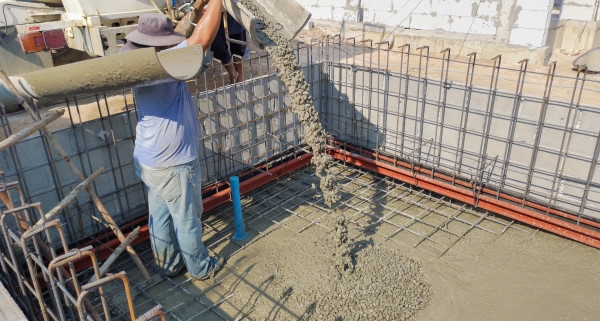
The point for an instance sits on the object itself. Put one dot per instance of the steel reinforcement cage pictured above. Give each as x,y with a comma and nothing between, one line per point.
513,138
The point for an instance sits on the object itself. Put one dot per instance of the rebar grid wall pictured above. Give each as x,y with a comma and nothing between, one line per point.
529,133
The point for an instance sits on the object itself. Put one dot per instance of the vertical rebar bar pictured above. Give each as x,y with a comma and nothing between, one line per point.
420,119
60,193
331,77
590,177
445,85
120,191
563,152
464,117
365,125
540,128
381,128
405,101
489,112
513,124
14,154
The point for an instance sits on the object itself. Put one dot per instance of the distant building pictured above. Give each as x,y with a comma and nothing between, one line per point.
538,27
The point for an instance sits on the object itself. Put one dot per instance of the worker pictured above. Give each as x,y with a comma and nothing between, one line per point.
166,148
234,52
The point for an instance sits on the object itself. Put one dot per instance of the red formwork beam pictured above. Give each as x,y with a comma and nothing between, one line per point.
465,195
447,178
257,181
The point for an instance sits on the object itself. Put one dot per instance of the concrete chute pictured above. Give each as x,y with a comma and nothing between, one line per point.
128,69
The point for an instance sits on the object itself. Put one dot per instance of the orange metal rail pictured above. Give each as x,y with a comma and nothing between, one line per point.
465,193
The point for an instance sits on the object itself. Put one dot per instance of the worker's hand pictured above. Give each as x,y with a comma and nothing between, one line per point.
187,23
198,10
200,4
206,28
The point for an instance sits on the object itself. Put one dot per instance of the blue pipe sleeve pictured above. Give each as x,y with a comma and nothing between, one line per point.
240,228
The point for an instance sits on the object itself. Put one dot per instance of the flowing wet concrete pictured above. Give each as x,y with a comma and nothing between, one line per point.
418,256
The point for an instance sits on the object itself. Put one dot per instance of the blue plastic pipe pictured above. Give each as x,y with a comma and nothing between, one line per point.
240,228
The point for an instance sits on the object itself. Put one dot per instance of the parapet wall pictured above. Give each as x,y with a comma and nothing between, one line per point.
530,29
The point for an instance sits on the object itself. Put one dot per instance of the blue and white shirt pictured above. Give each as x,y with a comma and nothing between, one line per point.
167,132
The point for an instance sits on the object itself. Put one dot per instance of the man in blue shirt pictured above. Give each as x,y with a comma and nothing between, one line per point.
166,147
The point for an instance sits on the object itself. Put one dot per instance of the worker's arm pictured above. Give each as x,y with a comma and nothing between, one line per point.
206,28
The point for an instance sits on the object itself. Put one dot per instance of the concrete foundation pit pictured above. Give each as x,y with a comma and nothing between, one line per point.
377,184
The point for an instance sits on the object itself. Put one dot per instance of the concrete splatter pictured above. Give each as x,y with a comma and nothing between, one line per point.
290,73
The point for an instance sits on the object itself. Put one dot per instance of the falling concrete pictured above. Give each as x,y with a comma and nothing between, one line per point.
380,285
291,17
278,46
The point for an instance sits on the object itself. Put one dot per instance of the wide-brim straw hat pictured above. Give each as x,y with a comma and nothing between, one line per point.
153,30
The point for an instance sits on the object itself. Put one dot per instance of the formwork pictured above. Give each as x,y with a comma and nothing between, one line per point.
432,152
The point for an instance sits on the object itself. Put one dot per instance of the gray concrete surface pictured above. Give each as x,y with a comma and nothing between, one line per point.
9,310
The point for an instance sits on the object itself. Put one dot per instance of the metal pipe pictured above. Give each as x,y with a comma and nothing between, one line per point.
240,229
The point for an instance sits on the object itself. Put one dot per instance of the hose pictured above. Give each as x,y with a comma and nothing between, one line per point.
156,7
170,11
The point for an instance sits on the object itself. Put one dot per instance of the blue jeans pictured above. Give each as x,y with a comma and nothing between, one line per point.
175,208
